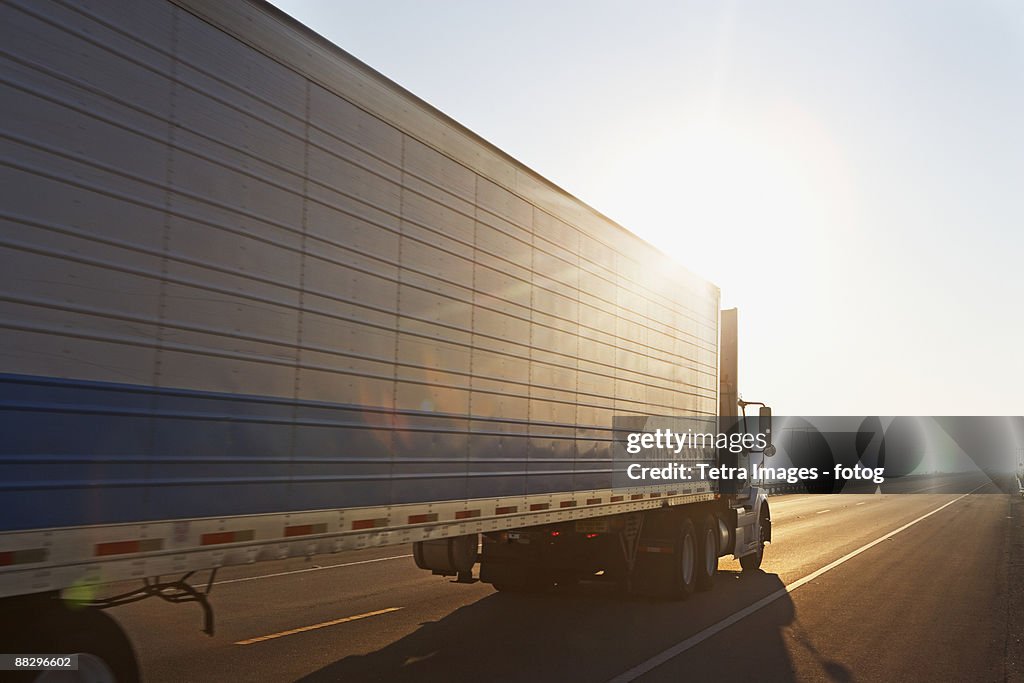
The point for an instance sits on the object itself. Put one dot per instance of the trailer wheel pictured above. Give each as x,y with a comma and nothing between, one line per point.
707,562
752,562
687,555
105,655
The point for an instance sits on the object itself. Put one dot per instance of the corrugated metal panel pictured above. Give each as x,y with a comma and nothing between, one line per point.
412,307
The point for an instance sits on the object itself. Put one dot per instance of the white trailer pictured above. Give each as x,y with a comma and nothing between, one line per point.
258,301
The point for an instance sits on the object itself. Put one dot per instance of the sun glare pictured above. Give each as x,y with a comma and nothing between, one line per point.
729,198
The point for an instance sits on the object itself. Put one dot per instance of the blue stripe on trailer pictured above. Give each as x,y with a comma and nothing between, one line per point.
79,452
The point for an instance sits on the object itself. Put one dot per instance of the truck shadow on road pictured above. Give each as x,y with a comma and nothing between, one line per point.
592,633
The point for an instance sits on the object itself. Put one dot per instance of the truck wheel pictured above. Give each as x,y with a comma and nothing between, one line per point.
104,652
686,557
752,562
707,561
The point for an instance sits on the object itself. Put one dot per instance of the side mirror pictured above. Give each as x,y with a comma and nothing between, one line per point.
765,427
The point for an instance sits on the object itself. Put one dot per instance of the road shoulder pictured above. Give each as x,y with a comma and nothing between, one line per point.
1015,603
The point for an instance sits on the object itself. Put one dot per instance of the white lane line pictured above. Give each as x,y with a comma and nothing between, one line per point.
679,648
310,569
821,512
931,488
803,498
324,624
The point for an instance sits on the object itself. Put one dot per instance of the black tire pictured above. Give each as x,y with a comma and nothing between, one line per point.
105,653
707,557
684,581
752,562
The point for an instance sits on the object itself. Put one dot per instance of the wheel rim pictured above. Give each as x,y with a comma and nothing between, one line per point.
91,669
688,559
710,553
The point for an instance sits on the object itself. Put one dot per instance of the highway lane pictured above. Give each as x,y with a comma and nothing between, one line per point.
935,597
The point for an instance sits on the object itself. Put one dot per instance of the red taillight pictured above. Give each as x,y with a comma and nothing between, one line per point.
592,535
555,533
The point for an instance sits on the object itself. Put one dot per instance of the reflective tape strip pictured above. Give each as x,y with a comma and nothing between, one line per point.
27,556
369,523
422,519
141,545
304,530
219,537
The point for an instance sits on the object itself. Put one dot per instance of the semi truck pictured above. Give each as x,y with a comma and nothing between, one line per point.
258,301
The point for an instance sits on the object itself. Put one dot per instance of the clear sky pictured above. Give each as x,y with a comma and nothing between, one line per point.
851,174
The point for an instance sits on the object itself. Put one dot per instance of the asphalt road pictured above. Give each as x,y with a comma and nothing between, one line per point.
840,598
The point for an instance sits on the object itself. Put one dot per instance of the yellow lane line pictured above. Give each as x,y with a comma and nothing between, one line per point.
303,629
